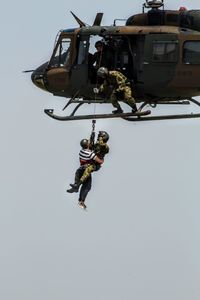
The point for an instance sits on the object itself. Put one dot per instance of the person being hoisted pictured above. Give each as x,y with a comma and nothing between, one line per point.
121,89
91,157
98,150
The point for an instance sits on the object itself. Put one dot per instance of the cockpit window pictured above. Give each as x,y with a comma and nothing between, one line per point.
62,54
165,52
191,52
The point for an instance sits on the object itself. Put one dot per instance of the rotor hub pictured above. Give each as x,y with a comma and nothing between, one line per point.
155,4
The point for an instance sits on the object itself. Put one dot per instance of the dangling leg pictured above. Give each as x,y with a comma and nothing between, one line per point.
75,187
81,177
87,172
85,188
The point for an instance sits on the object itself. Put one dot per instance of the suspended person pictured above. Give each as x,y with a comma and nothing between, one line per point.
120,89
100,148
86,157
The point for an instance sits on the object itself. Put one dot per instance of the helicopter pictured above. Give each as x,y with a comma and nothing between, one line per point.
158,50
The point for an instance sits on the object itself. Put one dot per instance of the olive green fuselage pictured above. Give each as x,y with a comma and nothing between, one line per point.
161,61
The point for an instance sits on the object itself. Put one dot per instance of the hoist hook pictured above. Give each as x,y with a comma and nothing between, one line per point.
93,125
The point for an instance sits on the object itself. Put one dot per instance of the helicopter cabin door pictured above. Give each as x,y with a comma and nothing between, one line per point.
160,60
79,77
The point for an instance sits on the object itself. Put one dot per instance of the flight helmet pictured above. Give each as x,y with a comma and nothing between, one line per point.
102,72
84,143
104,135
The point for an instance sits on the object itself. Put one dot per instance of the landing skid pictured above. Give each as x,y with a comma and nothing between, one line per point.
140,115
135,116
167,117
164,117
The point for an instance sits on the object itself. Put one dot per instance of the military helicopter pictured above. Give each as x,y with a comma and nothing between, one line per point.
158,50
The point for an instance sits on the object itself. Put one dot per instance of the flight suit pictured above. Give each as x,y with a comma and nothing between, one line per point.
120,89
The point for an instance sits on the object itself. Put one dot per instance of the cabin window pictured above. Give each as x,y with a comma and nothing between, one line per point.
165,52
191,52
62,54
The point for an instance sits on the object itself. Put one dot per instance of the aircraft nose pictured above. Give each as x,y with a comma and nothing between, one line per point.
38,80
38,77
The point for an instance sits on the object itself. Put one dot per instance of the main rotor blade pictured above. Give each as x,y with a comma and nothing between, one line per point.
81,23
98,19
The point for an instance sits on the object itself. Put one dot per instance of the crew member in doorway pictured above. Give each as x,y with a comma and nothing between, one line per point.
120,89
103,57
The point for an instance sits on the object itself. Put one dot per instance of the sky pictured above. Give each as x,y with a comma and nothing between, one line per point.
140,238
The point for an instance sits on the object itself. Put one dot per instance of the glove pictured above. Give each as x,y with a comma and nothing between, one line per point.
96,90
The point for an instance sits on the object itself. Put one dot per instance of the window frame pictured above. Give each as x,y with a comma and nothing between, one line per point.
165,59
183,56
57,56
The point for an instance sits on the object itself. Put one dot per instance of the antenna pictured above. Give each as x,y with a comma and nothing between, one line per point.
81,23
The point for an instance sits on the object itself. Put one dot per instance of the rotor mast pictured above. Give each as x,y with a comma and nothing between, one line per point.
153,4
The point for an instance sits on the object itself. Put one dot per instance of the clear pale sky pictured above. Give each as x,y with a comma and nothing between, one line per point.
140,238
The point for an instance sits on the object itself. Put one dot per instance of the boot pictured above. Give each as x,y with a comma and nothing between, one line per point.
117,111
74,188
82,205
134,108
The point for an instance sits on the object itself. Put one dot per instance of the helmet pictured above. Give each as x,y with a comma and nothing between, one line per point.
98,44
84,143
104,135
102,72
